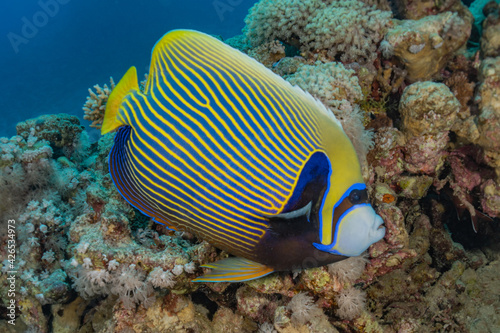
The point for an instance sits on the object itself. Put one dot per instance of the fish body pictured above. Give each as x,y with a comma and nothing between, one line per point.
219,146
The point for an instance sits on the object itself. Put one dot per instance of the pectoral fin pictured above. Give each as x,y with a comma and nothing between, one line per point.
234,269
304,211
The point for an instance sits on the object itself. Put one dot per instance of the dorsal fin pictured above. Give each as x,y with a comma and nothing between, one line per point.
181,42
127,84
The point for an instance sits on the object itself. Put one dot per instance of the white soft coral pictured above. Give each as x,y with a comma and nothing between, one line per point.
303,308
348,270
350,303
160,278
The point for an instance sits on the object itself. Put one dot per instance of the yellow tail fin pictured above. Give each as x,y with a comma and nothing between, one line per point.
127,84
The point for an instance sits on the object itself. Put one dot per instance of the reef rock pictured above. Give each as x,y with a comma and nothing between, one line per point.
426,45
59,129
490,39
428,108
489,116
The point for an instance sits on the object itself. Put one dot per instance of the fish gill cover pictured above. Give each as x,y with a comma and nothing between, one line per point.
419,103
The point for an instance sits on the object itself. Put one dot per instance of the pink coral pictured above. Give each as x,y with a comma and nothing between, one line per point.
426,154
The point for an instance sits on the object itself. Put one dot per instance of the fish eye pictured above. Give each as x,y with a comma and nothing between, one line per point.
355,197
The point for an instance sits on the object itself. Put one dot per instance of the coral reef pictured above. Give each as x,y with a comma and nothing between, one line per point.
347,29
423,114
426,45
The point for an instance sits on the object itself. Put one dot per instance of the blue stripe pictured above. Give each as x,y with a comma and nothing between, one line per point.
256,157
187,194
203,169
210,124
357,186
232,177
277,100
121,178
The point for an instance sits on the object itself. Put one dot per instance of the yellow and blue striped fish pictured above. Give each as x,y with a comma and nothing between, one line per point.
219,146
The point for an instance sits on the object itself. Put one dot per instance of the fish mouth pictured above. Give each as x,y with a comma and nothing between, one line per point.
378,223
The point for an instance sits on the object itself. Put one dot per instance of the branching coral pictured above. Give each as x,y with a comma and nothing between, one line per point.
95,105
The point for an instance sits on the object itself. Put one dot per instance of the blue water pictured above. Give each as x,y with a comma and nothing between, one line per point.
52,51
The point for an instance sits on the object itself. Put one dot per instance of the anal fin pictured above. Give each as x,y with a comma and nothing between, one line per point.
234,269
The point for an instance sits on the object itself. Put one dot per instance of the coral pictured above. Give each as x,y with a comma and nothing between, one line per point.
414,187
238,42
349,270
337,88
329,82
350,29
350,303
266,328
490,198
426,45
303,308
288,65
476,9
95,105
268,53
257,306
60,130
426,154
427,108
461,83
88,261
415,10
387,157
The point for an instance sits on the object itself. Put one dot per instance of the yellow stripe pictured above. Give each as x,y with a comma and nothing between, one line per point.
230,276
143,130
228,114
235,149
209,160
180,147
200,186
187,225
236,94
254,71
132,158
236,110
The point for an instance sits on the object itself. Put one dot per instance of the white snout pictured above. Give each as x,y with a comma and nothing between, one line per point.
358,229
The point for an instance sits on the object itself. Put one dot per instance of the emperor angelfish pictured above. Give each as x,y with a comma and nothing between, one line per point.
221,147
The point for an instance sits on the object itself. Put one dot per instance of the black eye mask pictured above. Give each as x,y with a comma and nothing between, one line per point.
356,197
